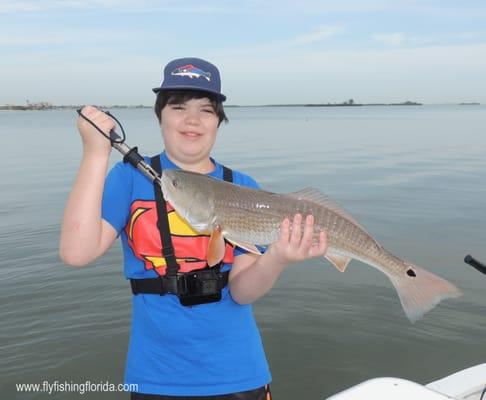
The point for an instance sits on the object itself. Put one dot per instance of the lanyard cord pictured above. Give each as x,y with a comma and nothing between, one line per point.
130,154
113,138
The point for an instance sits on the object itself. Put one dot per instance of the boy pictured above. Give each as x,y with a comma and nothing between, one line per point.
178,351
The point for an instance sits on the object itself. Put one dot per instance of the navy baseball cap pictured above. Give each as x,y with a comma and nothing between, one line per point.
192,74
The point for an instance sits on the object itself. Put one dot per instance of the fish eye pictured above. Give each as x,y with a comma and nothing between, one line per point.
175,182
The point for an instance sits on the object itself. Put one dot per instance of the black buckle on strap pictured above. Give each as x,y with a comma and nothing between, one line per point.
169,285
168,252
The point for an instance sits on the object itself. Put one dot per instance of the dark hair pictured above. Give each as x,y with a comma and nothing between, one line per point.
165,97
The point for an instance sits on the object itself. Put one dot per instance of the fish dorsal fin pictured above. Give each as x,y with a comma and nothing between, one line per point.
315,196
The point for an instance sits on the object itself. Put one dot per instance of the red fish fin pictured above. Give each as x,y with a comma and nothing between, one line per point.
247,246
420,291
216,247
339,261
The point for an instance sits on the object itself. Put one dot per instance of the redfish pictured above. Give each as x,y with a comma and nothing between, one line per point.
248,217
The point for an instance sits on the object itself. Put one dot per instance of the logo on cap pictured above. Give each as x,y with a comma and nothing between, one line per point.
192,72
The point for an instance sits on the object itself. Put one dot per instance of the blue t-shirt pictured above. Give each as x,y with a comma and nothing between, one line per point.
204,350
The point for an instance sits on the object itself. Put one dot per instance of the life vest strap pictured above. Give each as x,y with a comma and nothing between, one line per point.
227,174
177,285
163,224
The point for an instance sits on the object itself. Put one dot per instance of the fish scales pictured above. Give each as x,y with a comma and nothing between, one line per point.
255,217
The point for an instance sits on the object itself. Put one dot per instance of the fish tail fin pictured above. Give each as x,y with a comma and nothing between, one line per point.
420,291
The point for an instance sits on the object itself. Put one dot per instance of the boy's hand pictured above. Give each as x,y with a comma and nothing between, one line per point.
94,143
293,245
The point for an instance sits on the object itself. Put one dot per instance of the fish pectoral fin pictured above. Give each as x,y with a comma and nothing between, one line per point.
216,247
339,261
246,246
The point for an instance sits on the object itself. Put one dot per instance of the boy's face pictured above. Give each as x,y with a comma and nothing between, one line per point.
189,129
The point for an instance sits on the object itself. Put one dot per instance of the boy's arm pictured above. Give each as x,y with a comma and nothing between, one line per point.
84,235
252,276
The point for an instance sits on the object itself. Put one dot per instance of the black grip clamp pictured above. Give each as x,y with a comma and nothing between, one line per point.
475,264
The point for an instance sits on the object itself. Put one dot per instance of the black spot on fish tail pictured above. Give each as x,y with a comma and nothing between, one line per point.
411,272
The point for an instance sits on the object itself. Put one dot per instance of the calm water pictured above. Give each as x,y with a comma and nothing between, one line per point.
414,176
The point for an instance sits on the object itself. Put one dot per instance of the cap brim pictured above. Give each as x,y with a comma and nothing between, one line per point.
221,96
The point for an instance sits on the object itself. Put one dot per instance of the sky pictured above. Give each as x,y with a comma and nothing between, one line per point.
269,52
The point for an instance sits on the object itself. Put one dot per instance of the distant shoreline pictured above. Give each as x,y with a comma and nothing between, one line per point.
406,103
48,106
